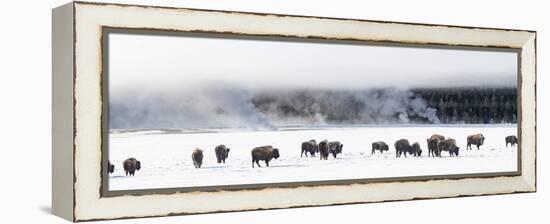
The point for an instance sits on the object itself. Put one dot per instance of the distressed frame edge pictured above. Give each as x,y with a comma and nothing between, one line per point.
527,182
306,206
62,77
529,63
298,16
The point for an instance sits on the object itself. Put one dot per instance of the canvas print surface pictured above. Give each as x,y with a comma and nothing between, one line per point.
212,110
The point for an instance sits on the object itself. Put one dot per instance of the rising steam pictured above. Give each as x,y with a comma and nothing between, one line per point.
266,110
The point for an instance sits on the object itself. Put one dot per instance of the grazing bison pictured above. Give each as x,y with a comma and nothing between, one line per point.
197,157
402,146
323,150
110,167
222,152
309,147
265,153
380,146
476,139
448,145
416,151
512,139
335,148
131,165
432,144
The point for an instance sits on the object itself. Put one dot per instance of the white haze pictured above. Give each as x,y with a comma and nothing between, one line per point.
166,62
227,107
190,82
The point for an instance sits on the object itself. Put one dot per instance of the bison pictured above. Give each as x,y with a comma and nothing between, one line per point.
432,147
476,139
512,140
380,146
110,167
335,148
309,147
197,157
323,150
222,152
448,145
438,137
402,146
416,151
265,153
131,165
432,144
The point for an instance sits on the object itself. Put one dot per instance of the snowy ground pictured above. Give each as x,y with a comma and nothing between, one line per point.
165,155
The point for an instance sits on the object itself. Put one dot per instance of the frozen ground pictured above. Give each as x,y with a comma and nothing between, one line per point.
165,155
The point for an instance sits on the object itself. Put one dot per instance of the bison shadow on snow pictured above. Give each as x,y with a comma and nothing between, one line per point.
289,165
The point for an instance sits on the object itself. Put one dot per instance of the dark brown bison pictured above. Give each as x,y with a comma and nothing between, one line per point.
432,147
476,139
110,167
197,157
222,152
432,144
416,151
323,150
402,146
309,147
380,146
131,165
265,153
448,145
512,140
438,137
335,148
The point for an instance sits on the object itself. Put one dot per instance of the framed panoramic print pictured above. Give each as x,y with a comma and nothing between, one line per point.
172,111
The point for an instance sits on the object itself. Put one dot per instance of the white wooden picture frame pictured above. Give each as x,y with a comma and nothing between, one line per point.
78,192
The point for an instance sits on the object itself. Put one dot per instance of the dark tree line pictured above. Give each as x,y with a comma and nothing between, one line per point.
472,105
451,106
318,107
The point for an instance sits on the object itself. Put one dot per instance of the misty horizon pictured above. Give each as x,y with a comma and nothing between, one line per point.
193,82
160,62
267,110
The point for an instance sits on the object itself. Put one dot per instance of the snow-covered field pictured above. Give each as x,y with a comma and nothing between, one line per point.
165,155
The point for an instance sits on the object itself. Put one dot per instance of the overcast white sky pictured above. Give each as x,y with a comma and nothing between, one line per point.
152,62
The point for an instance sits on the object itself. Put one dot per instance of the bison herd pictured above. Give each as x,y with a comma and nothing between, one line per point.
402,146
436,144
324,148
